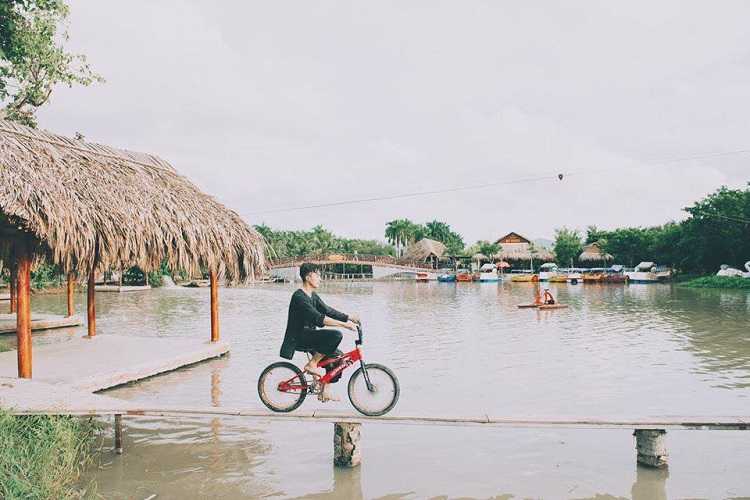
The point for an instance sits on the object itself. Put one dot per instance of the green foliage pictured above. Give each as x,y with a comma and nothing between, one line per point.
484,247
442,232
135,277
43,456
726,282
717,232
567,245
317,240
32,58
403,232
44,275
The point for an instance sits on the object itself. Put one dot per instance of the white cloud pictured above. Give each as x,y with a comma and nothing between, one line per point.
267,105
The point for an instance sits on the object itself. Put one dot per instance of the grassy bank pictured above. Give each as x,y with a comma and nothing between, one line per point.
41,457
725,282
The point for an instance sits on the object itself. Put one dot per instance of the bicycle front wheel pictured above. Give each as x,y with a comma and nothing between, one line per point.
282,387
384,394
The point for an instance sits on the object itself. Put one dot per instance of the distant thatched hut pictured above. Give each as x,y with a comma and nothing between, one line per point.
426,250
86,206
516,249
594,253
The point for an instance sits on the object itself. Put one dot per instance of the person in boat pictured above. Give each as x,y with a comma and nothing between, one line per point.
538,299
548,299
308,315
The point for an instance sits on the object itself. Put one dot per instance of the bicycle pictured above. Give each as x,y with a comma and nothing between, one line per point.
373,388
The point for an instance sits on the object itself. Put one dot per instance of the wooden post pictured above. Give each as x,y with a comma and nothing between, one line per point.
91,296
346,449
71,290
23,314
118,434
651,447
13,287
214,307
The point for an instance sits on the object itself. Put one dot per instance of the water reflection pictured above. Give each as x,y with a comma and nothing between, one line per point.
458,349
650,484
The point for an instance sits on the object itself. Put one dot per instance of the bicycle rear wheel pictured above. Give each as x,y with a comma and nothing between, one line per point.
382,398
282,387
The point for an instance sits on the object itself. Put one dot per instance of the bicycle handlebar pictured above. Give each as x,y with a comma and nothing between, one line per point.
359,335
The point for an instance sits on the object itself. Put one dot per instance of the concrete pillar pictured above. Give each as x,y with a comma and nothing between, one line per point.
346,449
651,447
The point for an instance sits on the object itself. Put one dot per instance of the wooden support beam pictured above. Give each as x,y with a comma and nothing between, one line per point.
91,296
118,434
23,314
71,291
214,307
13,287
346,449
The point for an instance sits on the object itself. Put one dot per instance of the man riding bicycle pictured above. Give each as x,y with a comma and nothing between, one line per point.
308,314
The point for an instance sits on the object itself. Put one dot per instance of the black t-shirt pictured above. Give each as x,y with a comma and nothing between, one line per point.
305,312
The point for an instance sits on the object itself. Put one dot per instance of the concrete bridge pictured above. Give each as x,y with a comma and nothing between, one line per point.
382,266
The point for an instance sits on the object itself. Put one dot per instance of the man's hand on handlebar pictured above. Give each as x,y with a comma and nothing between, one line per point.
355,319
350,325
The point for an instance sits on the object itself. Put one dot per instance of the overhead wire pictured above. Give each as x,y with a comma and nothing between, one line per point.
557,176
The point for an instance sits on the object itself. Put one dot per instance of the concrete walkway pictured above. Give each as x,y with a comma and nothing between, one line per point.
106,361
39,322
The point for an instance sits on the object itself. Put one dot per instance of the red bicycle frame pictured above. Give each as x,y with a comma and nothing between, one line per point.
298,382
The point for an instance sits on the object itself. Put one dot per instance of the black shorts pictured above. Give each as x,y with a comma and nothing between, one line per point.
322,341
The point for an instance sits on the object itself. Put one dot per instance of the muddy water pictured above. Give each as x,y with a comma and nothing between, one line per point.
461,349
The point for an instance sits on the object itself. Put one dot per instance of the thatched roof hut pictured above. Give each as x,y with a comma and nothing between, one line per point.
85,205
479,257
594,253
77,199
425,250
514,247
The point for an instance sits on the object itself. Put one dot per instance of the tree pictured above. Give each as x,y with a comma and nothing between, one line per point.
718,230
487,248
594,235
33,60
567,245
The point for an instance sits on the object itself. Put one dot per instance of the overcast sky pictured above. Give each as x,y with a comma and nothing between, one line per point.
269,105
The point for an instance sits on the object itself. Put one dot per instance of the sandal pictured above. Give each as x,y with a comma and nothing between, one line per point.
317,371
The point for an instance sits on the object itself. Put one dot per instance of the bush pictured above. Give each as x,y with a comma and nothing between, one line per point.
43,456
726,282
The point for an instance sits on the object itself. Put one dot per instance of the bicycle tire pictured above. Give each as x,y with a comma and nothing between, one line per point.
262,388
396,390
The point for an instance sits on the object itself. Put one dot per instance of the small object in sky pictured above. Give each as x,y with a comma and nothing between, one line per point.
560,176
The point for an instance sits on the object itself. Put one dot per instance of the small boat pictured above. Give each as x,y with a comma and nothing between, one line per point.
648,272
488,273
447,278
593,276
524,276
527,306
423,277
552,306
574,276
558,278
615,274
464,277
547,271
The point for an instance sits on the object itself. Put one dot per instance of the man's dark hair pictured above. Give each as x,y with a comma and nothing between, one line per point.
306,269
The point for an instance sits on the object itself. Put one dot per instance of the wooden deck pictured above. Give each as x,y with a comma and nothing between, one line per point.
39,322
34,397
4,296
90,365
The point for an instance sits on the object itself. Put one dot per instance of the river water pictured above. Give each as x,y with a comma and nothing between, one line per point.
458,349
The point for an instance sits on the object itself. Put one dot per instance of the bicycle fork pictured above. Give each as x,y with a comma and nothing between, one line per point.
369,385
